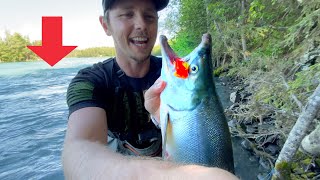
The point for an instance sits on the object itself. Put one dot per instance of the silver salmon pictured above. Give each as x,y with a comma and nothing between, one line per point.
193,125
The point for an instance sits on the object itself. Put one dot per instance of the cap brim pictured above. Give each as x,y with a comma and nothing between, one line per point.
160,4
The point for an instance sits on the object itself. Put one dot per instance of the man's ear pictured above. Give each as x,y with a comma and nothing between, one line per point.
104,24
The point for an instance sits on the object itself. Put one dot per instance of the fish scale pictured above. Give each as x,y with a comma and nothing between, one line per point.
193,124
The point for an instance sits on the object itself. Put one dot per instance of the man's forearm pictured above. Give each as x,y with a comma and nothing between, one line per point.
83,159
90,160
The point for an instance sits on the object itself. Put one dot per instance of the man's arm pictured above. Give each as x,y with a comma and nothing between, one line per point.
85,155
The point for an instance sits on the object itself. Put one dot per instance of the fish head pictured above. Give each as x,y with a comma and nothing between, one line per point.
189,76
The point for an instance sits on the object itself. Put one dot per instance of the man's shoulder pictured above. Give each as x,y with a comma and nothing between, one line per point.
108,61
98,73
105,65
90,86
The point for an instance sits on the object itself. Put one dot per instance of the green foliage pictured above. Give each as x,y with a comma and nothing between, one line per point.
224,19
156,51
223,11
93,52
317,161
302,30
305,82
192,24
218,71
284,168
263,23
271,91
256,10
14,48
183,44
299,166
279,35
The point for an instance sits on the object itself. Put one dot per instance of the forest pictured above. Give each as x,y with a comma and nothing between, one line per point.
13,48
269,50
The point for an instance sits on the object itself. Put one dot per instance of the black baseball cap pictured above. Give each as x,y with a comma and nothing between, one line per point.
160,4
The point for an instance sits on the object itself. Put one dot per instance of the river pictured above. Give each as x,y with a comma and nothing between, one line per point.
33,119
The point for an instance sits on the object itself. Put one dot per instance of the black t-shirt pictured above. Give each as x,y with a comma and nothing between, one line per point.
104,85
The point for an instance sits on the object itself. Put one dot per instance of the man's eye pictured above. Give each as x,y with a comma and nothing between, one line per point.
127,15
150,17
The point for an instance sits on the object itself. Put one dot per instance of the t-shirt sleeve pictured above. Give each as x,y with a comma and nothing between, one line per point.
88,89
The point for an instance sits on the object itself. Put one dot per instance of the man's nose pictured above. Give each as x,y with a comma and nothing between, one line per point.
140,22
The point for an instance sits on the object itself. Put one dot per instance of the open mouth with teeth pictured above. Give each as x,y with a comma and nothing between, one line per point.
139,41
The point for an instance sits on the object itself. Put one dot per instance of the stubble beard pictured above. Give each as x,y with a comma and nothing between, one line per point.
140,60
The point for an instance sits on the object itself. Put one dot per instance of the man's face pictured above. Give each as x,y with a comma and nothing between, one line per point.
133,24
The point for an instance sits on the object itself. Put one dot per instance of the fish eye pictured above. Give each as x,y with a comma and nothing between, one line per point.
194,68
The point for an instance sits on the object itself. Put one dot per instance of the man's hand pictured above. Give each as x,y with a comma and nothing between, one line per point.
152,98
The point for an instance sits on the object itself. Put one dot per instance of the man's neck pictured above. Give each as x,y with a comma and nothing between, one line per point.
134,69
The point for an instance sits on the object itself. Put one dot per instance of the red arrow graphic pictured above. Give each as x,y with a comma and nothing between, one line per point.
52,50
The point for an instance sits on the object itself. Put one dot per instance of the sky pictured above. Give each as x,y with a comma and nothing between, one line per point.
81,26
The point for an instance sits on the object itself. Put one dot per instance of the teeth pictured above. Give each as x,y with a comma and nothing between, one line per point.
139,39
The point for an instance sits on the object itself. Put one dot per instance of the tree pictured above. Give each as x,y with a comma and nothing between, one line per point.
296,135
13,48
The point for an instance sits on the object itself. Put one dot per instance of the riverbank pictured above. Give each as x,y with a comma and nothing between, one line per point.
247,165
256,142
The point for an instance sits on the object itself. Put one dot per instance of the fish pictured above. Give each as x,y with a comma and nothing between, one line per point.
193,125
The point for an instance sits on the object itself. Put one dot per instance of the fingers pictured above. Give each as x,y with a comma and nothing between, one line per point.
157,87
155,90
152,98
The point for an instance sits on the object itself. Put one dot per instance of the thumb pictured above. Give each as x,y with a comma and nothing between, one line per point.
152,98
155,90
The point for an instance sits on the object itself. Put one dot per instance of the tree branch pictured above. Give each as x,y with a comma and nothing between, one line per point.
298,131
294,97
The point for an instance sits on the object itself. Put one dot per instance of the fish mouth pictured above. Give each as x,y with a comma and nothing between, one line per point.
169,54
179,66
206,40
167,50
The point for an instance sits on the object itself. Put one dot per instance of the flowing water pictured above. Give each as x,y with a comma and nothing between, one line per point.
33,119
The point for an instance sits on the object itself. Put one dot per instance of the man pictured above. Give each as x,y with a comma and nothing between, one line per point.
107,105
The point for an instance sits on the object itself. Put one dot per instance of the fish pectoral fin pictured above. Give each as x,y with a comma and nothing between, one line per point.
164,124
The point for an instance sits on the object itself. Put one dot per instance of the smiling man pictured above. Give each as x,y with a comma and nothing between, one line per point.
110,134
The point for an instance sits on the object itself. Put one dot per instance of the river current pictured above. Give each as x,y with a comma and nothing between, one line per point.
33,117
